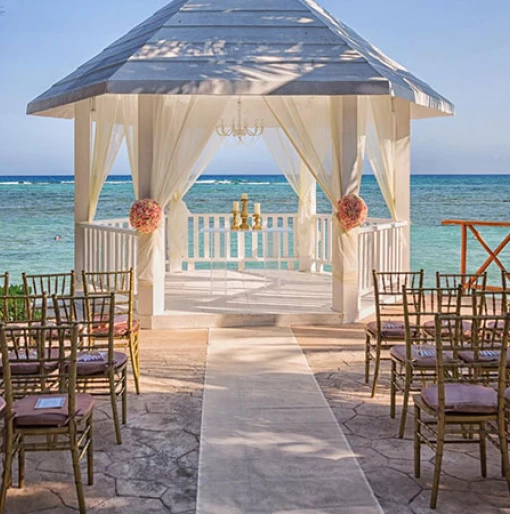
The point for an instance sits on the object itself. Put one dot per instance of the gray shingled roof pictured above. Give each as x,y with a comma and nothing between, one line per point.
240,47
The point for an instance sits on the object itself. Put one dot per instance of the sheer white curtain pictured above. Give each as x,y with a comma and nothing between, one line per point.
108,135
381,146
184,143
315,123
303,184
314,127
130,119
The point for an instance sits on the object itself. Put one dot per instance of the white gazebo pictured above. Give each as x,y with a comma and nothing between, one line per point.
326,96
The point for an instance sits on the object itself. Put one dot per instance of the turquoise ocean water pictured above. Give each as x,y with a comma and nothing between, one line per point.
33,210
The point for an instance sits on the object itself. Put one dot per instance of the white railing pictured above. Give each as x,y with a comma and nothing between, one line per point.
380,247
112,244
207,244
109,245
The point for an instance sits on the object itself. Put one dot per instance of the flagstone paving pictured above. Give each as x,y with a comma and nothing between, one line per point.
155,470
336,358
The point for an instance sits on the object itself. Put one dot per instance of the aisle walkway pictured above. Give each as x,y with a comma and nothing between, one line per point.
270,443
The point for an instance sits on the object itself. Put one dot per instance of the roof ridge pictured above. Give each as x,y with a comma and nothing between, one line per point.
231,47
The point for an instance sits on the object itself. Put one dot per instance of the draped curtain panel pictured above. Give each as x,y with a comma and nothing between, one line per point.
315,126
381,146
302,183
108,136
130,120
184,144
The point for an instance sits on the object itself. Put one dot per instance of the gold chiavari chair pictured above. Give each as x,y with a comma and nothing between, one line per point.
413,365
461,399
388,327
505,280
101,371
468,281
490,302
23,309
53,416
61,284
4,283
127,328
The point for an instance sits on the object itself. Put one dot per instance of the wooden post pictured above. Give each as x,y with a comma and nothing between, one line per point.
403,175
82,170
151,296
345,245
463,250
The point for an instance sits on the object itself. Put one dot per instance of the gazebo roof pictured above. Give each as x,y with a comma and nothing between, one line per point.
240,47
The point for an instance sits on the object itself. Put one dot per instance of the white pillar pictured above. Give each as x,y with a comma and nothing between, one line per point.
345,245
403,174
82,169
151,297
307,224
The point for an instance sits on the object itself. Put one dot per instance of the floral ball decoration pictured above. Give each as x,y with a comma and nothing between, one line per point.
145,216
352,211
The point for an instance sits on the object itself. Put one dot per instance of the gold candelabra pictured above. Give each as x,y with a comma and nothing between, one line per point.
235,219
244,213
257,225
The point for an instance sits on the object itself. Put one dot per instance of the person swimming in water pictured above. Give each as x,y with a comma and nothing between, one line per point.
58,237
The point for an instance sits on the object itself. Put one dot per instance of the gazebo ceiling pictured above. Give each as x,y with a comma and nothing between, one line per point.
240,47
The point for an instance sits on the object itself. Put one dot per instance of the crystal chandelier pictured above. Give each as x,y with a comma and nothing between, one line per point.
239,129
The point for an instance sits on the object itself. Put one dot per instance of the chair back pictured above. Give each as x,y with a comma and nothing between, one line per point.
505,280
468,281
4,283
38,360
490,303
62,284
474,359
388,287
94,316
119,282
420,308
23,309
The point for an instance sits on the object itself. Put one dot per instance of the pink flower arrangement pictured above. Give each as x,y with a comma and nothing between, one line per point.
352,211
145,216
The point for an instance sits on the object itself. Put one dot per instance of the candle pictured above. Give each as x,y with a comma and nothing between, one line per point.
236,206
244,196
256,209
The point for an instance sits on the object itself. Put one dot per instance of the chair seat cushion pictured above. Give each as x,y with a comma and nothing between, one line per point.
26,415
422,356
389,329
483,356
499,325
463,398
430,328
31,366
96,363
120,326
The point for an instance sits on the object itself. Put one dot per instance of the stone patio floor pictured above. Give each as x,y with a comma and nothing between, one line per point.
155,470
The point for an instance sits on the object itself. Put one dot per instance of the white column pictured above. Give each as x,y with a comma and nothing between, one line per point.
307,243
82,169
151,297
345,245
403,175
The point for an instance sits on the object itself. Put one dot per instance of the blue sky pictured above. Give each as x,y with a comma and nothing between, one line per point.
460,47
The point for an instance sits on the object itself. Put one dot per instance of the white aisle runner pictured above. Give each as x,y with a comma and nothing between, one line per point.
270,443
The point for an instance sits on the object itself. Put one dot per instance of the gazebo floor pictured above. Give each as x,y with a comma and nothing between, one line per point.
223,298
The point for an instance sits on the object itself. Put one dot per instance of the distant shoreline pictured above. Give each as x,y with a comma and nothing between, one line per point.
237,175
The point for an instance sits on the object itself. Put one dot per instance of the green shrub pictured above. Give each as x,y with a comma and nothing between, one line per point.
16,308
